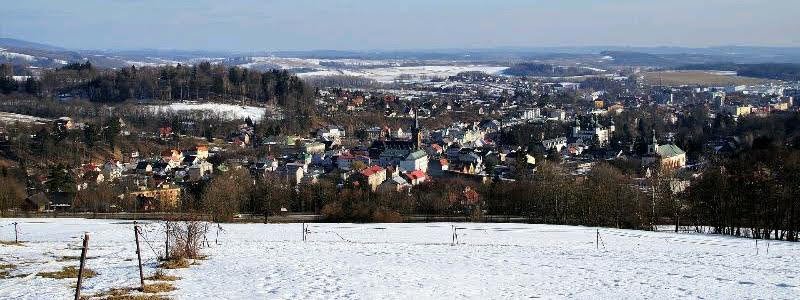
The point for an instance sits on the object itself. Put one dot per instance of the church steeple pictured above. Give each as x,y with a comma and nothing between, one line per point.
652,148
415,132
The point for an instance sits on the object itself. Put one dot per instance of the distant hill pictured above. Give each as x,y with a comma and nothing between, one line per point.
15,43
546,70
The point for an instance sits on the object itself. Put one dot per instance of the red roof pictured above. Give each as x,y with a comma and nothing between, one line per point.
371,170
416,174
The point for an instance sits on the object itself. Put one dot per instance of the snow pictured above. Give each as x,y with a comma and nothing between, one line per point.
226,111
411,261
417,73
13,55
7,117
385,71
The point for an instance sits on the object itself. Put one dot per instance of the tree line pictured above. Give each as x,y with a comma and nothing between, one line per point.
203,81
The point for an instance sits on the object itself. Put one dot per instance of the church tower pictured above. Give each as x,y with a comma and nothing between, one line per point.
416,136
652,148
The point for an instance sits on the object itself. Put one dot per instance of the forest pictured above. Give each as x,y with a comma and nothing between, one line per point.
203,81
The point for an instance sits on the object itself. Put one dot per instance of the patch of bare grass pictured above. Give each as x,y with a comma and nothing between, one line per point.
10,243
160,287
125,294
5,269
160,276
68,272
179,263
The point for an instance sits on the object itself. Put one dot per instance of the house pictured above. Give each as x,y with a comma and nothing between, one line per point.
415,177
64,123
113,170
165,197
144,167
434,150
172,155
200,170
345,161
592,132
200,151
373,133
165,132
393,157
395,184
738,110
417,160
37,202
189,160
372,176
331,133
531,113
263,166
294,171
556,115
314,148
556,143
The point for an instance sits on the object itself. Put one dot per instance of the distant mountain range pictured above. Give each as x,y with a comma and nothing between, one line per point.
34,54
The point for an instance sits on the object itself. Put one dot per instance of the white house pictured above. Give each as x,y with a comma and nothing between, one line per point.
417,160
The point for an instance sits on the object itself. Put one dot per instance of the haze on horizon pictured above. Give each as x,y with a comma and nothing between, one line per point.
252,25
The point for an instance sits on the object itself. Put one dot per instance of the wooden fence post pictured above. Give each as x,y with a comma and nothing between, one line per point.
166,242
597,239
16,234
138,254
304,231
80,268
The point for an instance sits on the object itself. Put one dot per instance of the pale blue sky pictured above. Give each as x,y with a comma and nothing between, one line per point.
252,25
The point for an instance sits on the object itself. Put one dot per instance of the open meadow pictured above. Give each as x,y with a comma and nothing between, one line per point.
702,78
397,261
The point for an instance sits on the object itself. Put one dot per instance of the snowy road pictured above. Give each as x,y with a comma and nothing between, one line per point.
405,261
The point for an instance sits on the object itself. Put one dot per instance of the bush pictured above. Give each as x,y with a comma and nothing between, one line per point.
188,236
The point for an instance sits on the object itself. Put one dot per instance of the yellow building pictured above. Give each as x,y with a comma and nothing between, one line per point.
167,198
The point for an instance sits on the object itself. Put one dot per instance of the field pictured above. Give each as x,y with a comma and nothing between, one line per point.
222,110
705,78
407,261
7,117
416,73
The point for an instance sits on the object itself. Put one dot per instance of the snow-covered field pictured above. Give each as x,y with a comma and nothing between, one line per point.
411,261
7,117
13,55
226,111
385,71
416,73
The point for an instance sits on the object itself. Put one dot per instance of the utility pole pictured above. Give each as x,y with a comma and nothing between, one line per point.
166,242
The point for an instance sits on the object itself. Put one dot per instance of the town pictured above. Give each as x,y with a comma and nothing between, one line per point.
471,145
450,149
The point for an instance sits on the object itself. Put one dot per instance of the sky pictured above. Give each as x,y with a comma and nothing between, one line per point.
269,25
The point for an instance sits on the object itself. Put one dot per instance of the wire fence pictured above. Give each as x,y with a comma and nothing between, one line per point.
116,239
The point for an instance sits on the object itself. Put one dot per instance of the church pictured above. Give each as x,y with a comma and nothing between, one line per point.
668,156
